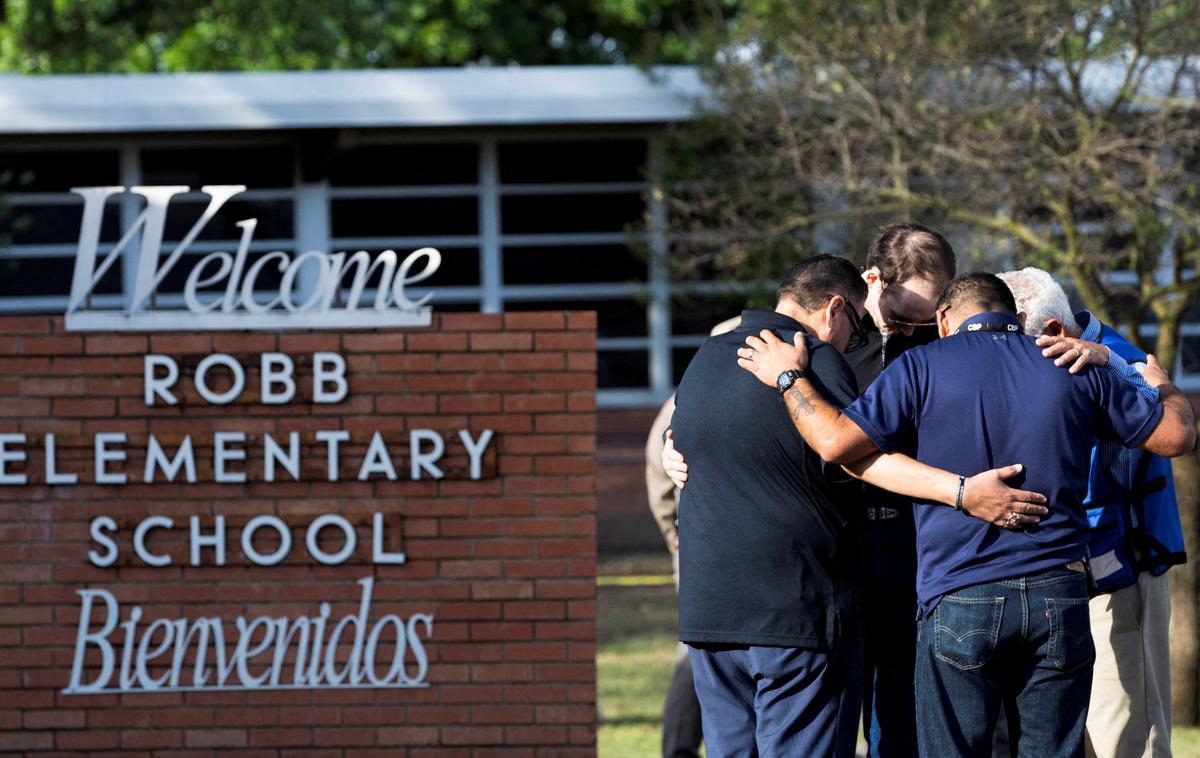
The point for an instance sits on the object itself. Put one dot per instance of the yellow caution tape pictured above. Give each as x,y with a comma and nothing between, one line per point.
636,580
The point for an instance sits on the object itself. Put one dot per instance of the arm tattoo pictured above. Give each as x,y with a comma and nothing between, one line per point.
820,423
804,403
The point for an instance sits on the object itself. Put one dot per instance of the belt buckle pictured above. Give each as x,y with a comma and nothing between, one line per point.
881,513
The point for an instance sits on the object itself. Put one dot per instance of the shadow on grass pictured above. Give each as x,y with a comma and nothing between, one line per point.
626,613
632,721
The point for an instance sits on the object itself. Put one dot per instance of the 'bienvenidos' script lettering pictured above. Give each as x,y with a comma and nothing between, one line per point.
264,652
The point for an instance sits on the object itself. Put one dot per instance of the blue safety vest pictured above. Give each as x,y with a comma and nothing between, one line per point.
1130,504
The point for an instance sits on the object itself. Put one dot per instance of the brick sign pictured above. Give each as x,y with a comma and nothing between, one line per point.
305,543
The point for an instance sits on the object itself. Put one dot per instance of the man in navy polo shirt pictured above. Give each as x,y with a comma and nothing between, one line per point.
1004,613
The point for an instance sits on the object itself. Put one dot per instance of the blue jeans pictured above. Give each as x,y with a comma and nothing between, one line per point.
889,568
778,702
1026,642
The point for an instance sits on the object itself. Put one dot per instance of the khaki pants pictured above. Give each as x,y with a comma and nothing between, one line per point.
1130,710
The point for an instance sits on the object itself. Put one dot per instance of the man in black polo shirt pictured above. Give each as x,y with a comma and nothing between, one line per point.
767,602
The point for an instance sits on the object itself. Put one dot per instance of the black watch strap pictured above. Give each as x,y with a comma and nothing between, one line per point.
785,380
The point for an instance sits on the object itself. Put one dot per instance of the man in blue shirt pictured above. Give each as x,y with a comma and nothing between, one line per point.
1003,612
1136,536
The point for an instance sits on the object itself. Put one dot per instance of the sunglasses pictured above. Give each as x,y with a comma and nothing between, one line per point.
858,331
893,322
888,320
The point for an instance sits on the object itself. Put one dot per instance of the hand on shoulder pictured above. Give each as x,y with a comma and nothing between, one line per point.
1072,352
766,356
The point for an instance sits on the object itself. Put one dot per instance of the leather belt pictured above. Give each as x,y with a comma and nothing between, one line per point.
882,514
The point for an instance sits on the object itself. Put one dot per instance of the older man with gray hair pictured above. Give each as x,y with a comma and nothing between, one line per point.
1135,537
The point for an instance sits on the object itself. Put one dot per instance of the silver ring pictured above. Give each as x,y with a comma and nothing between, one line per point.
1014,520
752,352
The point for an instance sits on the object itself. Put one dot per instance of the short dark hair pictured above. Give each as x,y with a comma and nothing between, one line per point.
983,292
814,279
902,251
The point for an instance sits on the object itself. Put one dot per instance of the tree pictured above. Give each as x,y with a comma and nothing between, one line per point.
128,36
1058,134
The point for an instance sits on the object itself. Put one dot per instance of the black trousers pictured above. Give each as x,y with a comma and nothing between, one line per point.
682,732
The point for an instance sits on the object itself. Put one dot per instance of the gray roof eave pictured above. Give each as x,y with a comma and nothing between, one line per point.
462,97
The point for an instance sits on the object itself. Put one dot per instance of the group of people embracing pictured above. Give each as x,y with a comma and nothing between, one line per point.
941,502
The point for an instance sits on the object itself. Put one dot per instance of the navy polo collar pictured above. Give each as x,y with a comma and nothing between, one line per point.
991,321
763,319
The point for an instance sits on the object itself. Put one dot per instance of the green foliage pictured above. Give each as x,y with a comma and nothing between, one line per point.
1062,134
125,36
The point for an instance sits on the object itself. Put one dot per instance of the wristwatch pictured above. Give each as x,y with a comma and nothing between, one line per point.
787,379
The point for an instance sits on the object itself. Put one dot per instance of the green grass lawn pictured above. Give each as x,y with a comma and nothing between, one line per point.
634,660
1185,741
636,653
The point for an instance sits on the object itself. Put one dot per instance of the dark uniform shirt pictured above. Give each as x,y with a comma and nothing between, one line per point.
889,540
766,555
986,398
869,359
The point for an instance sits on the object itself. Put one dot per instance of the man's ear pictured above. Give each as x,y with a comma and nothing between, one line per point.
1053,328
827,315
836,303
943,322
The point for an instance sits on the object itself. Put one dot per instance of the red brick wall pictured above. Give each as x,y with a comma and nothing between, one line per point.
506,565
